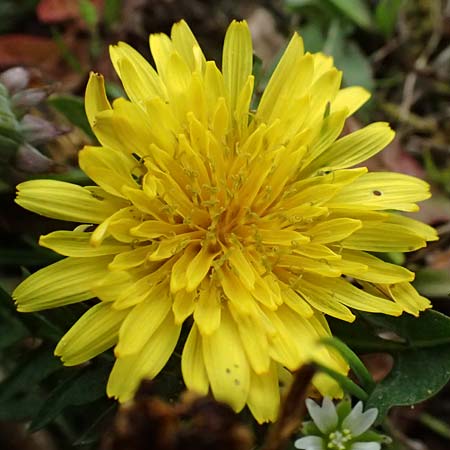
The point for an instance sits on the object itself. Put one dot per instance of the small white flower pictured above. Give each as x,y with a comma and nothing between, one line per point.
335,432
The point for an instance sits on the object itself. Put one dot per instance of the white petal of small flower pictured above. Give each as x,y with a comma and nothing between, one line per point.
357,421
324,417
309,443
366,446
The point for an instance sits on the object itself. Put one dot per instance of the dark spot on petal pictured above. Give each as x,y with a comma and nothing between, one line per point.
237,382
236,366
377,193
228,370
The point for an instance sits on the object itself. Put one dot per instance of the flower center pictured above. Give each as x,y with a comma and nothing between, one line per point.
338,440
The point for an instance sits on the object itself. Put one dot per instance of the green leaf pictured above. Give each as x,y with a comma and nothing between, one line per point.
111,12
348,57
73,108
88,12
346,384
355,10
422,369
433,282
13,330
430,329
312,36
20,408
84,386
386,15
360,336
416,376
356,68
35,367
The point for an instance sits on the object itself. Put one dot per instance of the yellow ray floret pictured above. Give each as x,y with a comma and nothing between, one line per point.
246,227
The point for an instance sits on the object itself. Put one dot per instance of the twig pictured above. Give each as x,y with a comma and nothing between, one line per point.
292,410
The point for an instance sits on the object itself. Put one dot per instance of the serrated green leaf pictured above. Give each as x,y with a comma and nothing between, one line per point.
416,376
430,329
85,386
360,336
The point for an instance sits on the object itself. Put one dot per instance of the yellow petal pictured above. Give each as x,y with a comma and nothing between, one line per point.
355,147
383,190
192,364
185,43
108,288
243,267
208,308
95,99
333,230
199,267
226,364
161,47
322,299
131,258
138,77
408,298
77,243
65,201
128,371
150,313
341,291
351,98
110,169
285,70
377,270
254,340
418,228
94,332
183,305
62,283
384,237
237,60
264,395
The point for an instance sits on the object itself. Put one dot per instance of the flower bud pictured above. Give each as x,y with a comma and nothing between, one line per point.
23,100
31,160
15,79
37,130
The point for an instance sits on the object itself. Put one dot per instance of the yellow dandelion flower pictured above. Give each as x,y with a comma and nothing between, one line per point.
247,226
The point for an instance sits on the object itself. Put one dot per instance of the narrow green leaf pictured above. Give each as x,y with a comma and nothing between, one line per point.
83,387
37,366
88,12
346,384
359,369
111,12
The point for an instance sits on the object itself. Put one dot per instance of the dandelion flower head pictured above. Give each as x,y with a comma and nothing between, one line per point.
244,226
